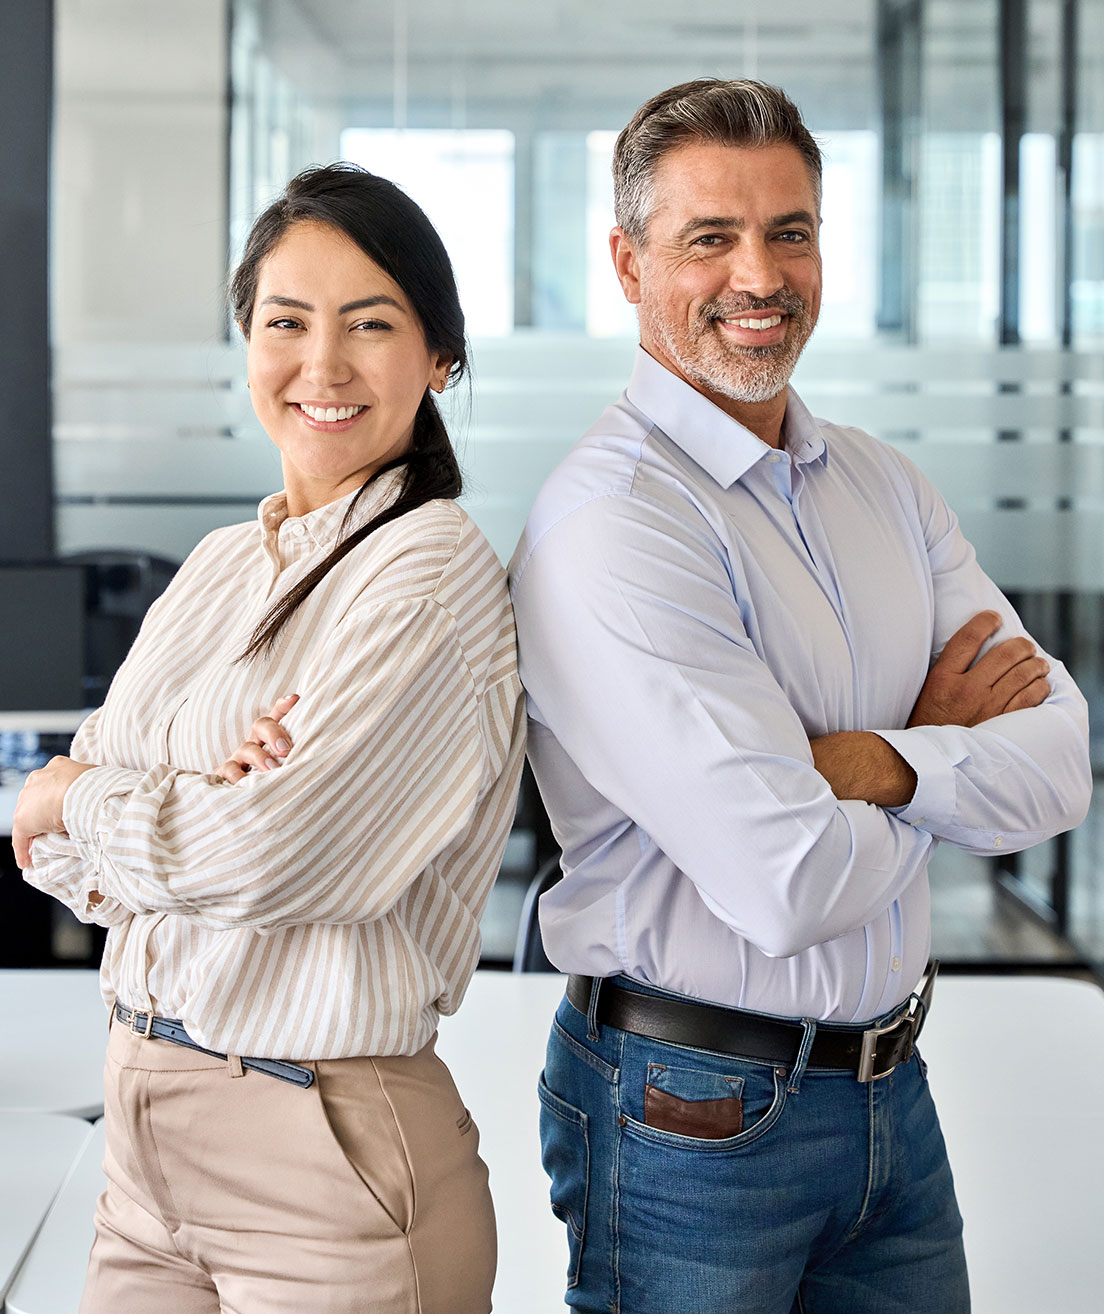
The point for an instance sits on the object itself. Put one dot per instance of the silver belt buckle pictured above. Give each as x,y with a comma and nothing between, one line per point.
869,1052
914,1020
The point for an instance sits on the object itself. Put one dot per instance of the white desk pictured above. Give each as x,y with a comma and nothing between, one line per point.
1017,1070
53,1033
1017,1067
36,1154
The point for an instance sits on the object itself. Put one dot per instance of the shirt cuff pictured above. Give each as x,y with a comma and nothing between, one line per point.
933,803
62,867
86,801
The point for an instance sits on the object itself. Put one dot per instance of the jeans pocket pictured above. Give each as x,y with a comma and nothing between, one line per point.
565,1154
708,1112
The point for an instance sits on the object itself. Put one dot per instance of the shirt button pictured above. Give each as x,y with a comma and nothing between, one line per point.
774,456
896,965
998,841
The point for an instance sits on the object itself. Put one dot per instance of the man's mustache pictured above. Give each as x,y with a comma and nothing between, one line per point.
784,301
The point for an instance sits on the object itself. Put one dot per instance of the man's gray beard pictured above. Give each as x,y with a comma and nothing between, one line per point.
743,374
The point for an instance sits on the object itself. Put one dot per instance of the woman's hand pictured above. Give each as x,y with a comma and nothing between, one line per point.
268,742
38,808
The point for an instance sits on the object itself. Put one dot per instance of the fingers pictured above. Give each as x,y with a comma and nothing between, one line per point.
961,649
1037,692
267,744
282,706
247,757
21,844
1005,657
1026,686
254,757
269,733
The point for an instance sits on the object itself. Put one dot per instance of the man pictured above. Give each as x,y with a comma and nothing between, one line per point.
765,674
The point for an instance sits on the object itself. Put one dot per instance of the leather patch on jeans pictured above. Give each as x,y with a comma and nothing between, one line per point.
708,1120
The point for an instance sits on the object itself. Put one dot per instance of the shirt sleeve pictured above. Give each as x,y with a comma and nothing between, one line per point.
1016,779
61,866
635,655
387,766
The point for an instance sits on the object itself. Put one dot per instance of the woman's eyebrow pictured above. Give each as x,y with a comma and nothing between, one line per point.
365,303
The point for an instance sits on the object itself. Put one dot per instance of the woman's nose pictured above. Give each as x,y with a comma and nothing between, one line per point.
327,362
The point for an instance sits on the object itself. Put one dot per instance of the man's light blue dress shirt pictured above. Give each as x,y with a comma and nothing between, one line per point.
693,606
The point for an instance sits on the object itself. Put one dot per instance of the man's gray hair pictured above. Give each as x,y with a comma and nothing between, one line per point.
736,113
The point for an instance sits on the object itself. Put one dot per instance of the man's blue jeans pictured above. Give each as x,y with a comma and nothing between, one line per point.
822,1195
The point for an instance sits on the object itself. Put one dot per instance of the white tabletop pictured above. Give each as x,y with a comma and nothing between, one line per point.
1017,1067
53,1033
52,1278
494,1047
36,1154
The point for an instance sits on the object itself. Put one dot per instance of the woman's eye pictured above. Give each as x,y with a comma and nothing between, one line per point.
370,325
283,323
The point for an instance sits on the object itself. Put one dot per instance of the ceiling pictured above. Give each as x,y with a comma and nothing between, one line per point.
575,64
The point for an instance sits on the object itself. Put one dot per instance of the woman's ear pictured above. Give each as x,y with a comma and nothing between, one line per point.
439,374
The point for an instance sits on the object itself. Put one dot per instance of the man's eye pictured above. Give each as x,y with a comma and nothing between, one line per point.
709,239
793,235
283,323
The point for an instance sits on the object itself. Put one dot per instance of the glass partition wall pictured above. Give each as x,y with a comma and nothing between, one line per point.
964,277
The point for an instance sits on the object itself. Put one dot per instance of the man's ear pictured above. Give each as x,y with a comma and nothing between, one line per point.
623,250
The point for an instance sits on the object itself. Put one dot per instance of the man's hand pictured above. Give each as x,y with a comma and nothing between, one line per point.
267,743
962,689
38,808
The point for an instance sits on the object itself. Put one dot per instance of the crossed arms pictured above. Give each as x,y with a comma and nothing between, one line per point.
961,689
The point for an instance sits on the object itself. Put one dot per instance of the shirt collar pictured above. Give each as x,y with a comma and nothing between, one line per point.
324,524
723,447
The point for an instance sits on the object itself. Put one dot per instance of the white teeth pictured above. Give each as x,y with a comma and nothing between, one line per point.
329,414
770,322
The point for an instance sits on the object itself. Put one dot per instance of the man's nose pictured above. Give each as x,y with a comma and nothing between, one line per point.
327,361
753,269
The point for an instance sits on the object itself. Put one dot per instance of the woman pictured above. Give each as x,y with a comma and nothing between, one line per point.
312,904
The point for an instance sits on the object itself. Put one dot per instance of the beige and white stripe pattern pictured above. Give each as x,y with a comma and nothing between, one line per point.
329,908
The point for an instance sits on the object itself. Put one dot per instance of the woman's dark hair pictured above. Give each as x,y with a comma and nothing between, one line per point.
392,231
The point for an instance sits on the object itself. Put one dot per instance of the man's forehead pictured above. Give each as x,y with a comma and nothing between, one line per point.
714,180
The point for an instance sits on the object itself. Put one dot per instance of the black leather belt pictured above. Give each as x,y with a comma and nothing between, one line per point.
870,1052
171,1028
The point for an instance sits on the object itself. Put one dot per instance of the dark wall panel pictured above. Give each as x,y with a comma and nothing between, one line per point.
26,85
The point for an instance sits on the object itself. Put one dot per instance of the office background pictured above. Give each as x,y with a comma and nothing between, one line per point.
964,277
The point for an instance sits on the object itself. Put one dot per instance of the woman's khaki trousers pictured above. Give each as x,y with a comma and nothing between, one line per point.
363,1194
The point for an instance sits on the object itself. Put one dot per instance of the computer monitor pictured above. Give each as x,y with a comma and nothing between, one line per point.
42,642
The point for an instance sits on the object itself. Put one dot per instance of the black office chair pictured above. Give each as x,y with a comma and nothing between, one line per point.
529,955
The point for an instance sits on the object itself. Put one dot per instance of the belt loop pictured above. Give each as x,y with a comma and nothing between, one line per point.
808,1027
594,1031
